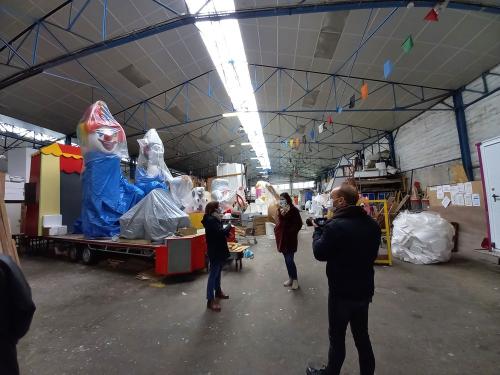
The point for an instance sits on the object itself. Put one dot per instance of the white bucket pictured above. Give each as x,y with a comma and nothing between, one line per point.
270,230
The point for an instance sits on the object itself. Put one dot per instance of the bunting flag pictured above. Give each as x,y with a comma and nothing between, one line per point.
291,143
339,109
312,134
388,68
330,120
352,101
407,44
432,16
364,90
321,127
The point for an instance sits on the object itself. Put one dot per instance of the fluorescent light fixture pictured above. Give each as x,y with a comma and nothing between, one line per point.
246,144
232,114
225,46
259,167
232,146
255,158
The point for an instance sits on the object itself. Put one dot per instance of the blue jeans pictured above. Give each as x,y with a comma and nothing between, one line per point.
214,278
290,265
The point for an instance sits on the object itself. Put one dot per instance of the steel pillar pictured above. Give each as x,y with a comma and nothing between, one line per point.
67,140
463,136
390,140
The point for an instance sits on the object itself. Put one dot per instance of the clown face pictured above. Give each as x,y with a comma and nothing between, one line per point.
104,140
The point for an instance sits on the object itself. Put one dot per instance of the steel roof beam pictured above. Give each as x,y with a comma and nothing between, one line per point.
190,19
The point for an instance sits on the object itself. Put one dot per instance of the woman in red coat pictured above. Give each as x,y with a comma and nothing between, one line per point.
286,232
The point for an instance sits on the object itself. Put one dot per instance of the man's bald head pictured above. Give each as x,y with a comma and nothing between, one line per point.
346,193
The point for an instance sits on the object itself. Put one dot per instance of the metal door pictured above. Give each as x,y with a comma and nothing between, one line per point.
490,160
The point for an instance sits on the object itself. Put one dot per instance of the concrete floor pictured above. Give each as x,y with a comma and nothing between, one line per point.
440,319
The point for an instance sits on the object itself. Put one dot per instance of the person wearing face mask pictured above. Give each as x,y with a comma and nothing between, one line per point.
286,232
349,245
218,252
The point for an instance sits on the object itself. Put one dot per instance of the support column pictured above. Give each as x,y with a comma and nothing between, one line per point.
463,136
67,140
390,140
132,165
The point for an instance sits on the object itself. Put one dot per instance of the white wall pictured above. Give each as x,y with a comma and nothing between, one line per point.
19,162
483,118
431,139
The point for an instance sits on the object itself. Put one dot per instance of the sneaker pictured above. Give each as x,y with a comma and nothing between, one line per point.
295,284
288,283
315,371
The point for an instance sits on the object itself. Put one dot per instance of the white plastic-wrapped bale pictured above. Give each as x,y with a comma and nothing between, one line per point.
422,238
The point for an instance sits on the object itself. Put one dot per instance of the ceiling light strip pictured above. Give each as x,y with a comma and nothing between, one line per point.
225,46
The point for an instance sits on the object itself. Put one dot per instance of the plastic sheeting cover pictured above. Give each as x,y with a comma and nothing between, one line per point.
222,193
181,187
422,238
154,218
99,131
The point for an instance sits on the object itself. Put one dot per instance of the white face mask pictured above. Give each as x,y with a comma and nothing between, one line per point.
283,203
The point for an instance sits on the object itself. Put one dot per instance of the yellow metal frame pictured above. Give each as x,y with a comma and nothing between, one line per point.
386,232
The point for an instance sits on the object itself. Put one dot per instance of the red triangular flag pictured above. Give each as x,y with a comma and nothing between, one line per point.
432,16
330,120
364,90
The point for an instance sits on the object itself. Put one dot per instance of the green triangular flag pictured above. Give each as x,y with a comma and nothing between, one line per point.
408,44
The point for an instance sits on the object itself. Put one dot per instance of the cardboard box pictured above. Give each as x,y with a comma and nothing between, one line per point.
60,230
187,231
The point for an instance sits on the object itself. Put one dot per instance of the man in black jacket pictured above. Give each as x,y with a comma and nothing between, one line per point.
16,313
349,244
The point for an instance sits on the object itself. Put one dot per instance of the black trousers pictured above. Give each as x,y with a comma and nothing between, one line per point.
340,314
8,358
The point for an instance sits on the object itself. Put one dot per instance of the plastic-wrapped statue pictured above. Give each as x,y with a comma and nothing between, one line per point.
198,200
152,172
222,193
181,187
106,194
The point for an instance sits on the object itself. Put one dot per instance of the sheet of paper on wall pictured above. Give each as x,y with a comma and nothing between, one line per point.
459,199
476,200
468,199
433,188
468,187
446,188
439,192
446,202
453,198
461,187
454,189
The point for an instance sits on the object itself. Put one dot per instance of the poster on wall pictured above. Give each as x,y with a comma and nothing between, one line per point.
476,200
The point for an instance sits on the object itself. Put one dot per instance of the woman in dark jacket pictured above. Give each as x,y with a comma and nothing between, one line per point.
218,252
286,232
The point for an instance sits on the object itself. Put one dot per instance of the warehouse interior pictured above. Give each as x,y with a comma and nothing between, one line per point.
120,121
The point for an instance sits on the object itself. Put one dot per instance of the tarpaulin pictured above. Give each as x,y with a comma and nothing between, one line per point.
106,195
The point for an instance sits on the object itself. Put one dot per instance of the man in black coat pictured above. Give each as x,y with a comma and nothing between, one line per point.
16,312
349,244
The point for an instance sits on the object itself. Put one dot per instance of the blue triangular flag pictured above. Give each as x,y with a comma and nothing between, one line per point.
387,68
311,134
339,109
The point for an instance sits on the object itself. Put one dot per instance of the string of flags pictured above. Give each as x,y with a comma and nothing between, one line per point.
388,67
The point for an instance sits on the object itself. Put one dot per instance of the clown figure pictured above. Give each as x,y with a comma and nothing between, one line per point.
106,194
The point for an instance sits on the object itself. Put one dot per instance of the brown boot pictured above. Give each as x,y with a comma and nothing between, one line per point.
220,294
213,305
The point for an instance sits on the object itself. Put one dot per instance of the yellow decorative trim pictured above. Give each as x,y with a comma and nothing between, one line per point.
55,150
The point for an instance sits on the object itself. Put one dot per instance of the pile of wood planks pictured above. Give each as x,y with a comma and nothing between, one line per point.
7,244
